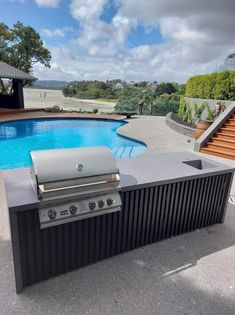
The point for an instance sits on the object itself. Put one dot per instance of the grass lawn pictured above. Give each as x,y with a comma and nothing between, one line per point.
107,100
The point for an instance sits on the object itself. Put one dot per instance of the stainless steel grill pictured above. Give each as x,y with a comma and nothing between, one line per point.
75,184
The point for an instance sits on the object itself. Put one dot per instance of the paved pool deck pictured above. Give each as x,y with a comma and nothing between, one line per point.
189,274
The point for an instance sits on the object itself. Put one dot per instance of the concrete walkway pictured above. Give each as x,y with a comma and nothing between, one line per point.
190,274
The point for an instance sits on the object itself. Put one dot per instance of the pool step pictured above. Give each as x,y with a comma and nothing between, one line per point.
127,151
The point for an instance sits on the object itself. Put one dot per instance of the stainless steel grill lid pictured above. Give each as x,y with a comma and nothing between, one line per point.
81,182
73,171
57,165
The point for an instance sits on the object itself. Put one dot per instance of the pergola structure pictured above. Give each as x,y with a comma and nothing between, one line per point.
12,98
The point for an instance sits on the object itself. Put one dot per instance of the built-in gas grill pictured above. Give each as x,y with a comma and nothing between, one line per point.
66,217
75,184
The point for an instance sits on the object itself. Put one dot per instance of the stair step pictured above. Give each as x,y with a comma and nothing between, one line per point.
219,153
230,122
226,147
227,131
225,135
228,127
222,140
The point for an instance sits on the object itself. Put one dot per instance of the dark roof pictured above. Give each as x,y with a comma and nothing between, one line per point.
9,72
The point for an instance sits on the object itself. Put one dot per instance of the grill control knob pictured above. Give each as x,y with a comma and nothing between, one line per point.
73,209
109,201
92,205
101,203
52,214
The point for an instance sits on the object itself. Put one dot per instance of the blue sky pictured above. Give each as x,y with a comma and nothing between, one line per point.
136,40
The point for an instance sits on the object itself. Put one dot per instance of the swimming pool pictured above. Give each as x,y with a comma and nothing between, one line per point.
17,138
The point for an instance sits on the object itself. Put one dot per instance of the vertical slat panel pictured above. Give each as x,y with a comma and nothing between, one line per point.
150,211
175,209
130,220
217,199
154,214
179,209
140,213
92,240
30,248
38,248
125,220
157,228
212,200
189,205
165,211
97,233
79,244
199,207
207,201
103,237
171,209
227,181
221,197
162,211
120,227
135,218
108,236
148,215
67,244
144,217
196,206
193,188
184,207
114,233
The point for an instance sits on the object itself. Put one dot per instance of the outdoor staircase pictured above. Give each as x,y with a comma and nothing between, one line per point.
223,141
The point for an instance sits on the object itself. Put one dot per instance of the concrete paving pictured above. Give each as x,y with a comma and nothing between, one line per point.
190,274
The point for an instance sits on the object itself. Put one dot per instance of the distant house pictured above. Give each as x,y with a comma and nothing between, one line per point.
119,87
229,64
12,81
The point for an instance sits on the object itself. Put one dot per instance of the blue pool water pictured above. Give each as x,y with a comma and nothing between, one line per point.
17,138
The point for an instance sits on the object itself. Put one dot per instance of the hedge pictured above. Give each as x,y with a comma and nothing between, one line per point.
218,86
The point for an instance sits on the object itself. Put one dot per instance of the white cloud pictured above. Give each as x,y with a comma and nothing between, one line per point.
87,9
48,3
197,35
58,32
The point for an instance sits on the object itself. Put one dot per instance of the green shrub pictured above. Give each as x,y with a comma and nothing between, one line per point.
211,113
212,86
163,107
182,108
198,109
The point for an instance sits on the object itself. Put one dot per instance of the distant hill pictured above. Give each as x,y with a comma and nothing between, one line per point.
49,84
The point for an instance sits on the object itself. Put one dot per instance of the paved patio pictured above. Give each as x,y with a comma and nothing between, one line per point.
190,274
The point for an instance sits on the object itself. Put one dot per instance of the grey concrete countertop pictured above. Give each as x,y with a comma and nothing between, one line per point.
142,171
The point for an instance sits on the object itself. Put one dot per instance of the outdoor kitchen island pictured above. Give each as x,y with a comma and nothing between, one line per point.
162,196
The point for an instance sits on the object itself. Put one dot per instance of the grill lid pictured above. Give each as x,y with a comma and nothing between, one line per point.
79,170
62,164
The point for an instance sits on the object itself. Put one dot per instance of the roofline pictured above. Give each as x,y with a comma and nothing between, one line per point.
17,78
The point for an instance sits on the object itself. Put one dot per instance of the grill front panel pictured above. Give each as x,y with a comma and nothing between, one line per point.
148,215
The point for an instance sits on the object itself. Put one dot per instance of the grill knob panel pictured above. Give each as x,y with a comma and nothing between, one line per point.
52,214
101,203
109,201
92,205
73,209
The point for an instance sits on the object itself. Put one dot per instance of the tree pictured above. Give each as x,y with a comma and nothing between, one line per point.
165,88
22,47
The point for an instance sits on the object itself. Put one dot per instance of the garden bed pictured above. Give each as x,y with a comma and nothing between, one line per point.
176,118
179,125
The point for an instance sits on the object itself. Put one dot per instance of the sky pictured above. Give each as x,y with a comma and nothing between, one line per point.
153,40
